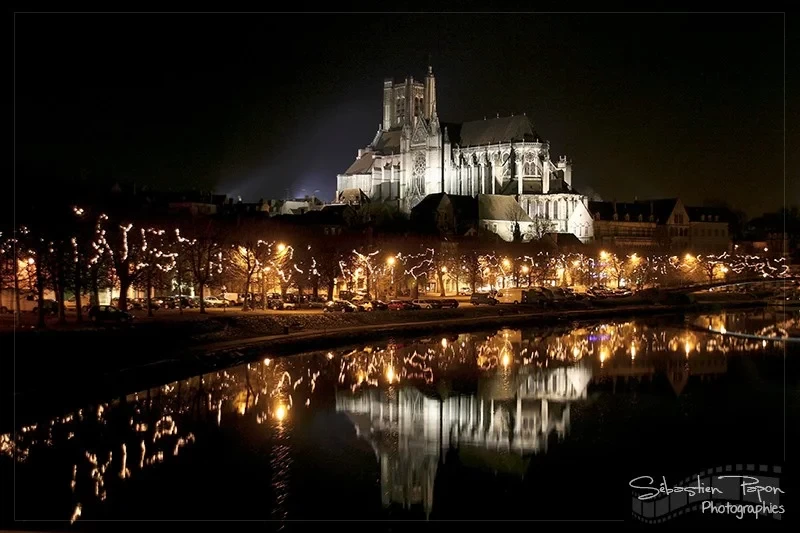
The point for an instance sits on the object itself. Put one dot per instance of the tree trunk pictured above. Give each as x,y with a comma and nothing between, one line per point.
263,293
149,288
247,304
330,289
60,286
95,286
78,272
180,288
124,285
441,284
16,287
202,298
40,291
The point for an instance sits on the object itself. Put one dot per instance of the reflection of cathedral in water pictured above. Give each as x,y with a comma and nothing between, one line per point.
411,432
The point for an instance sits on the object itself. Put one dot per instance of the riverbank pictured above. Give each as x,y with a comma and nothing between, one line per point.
96,362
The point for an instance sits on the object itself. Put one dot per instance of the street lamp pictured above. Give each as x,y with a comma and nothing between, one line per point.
281,247
390,261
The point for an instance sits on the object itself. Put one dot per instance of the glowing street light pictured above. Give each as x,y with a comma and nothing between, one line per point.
390,261
506,263
31,260
525,269
444,270
603,255
281,247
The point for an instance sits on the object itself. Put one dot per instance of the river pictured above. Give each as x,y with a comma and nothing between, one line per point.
502,424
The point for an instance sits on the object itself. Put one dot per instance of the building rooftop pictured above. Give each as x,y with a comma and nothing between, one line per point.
516,128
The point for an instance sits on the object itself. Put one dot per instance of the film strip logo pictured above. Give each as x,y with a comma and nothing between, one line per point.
741,491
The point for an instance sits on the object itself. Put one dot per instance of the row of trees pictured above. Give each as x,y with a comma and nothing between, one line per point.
83,252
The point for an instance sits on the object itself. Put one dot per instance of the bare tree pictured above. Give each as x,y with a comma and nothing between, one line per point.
710,265
472,267
248,254
200,242
540,227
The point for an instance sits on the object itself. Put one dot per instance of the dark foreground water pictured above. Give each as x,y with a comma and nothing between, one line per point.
509,424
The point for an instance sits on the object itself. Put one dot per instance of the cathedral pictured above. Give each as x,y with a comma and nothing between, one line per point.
414,154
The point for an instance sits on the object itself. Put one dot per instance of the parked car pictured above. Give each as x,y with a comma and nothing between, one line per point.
339,306
109,313
449,303
213,301
401,305
509,296
50,307
138,304
422,304
379,305
481,298
316,303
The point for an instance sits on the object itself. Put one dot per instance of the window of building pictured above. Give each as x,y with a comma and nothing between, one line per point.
555,209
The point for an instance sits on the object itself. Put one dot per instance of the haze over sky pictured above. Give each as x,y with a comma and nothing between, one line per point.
264,105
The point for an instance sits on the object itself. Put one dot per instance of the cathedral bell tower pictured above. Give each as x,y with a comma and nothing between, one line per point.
430,94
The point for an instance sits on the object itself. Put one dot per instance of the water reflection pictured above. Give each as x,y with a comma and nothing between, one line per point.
497,398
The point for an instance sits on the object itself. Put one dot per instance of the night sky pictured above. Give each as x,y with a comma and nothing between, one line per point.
261,105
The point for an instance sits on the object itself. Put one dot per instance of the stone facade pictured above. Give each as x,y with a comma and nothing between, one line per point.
413,155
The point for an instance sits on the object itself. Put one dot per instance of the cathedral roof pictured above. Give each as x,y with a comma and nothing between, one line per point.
362,165
492,131
501,207
389,142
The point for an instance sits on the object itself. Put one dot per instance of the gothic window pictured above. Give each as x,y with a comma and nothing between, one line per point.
418,186
529,168
547,210
555,209
627,217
